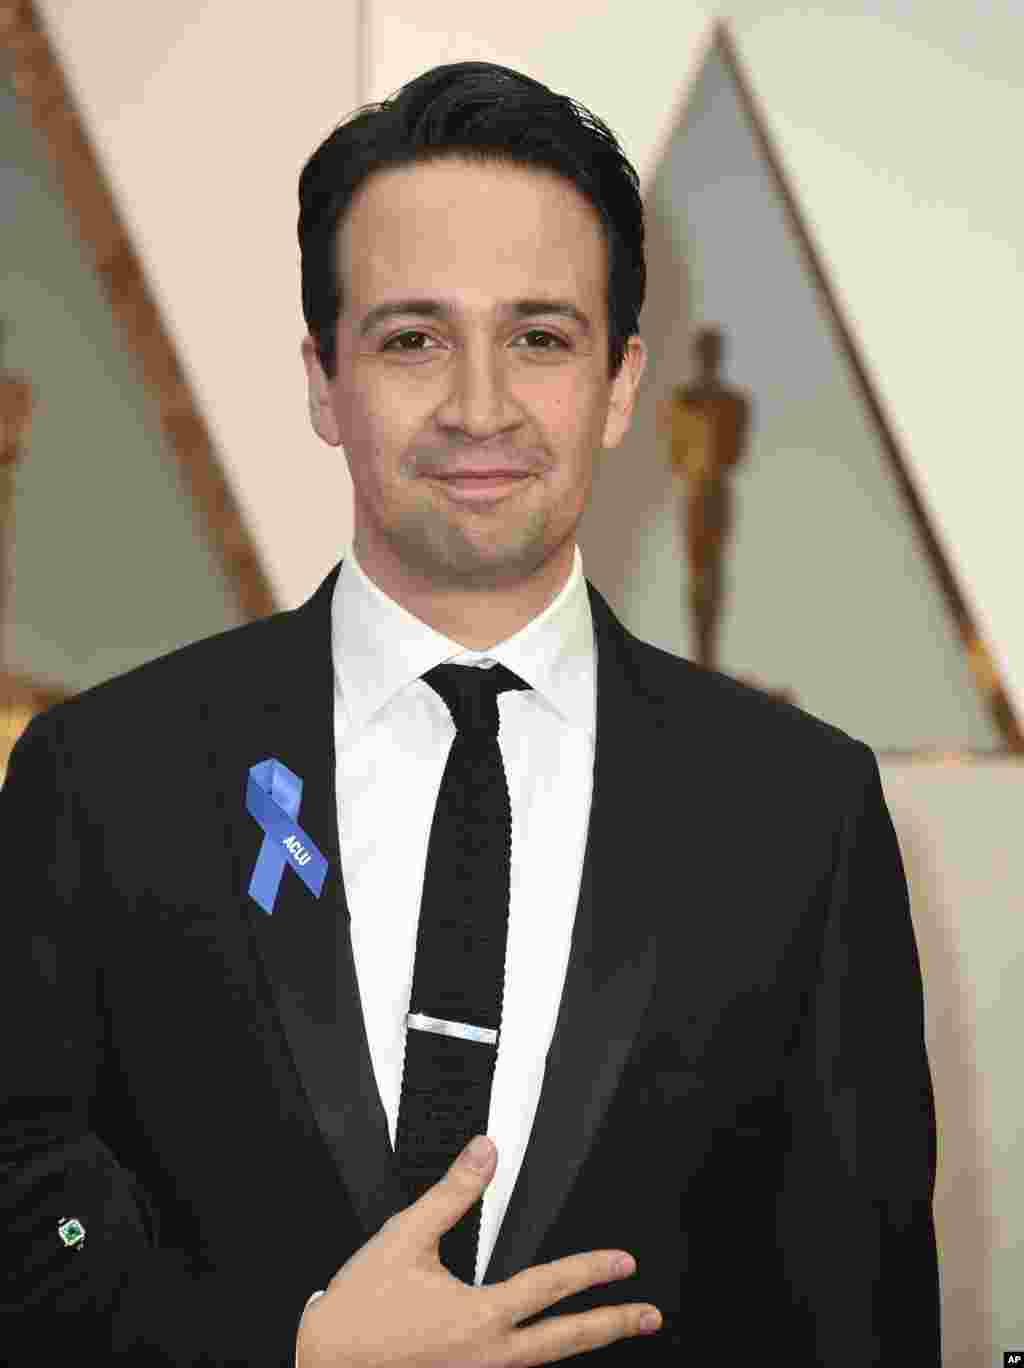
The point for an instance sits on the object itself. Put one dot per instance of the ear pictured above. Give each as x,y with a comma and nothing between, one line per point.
624,390
321,413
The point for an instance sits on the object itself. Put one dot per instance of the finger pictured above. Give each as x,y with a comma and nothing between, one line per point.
446,1201
559,1337
535,1289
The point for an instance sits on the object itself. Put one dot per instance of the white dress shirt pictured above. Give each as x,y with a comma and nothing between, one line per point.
392,735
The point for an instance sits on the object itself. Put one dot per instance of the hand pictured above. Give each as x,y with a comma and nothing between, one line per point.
394,1303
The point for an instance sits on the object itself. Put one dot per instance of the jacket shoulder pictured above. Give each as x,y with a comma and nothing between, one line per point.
738,712
201,670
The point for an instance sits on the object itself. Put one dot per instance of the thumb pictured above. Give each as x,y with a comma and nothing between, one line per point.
462,1185
479,1157
442,1205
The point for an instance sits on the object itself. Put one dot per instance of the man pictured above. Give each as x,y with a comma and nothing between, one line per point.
712,1051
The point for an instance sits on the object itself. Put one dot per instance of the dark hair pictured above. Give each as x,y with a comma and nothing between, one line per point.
478,112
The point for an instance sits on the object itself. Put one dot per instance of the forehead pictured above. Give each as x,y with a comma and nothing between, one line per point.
458,227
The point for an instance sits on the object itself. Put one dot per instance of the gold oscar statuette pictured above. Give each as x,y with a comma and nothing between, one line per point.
706,424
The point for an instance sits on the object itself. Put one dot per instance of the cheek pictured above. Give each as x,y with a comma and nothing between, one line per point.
580,413
380,443
396,425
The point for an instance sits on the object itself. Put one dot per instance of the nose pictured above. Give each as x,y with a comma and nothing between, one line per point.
478,400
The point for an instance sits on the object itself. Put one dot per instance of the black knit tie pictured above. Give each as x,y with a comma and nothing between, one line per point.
451,1041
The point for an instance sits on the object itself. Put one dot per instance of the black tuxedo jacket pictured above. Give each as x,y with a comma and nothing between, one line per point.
737,1090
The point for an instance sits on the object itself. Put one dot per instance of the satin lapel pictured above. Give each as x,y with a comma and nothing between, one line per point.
284,711
611,970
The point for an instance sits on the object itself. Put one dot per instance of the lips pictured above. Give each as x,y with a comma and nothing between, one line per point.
481,474
485,490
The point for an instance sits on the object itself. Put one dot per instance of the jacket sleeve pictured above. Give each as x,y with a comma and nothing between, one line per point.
119,1294
854,1224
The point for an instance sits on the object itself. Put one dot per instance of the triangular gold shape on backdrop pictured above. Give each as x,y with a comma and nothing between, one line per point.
93,294
834,570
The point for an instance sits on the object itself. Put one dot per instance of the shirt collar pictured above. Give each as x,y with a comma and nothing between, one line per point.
379,648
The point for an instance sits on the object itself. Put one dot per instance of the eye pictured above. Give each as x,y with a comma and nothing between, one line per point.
398,337
542,332
531,332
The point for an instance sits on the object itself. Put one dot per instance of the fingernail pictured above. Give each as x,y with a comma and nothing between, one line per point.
479,1152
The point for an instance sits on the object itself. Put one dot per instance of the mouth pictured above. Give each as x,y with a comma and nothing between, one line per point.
480,488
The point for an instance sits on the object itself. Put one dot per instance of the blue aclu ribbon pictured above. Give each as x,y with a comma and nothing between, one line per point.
273,794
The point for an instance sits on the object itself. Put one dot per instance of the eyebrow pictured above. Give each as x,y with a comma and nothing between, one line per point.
438,308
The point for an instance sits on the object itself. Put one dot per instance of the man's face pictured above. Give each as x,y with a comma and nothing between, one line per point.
478,387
